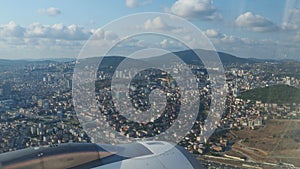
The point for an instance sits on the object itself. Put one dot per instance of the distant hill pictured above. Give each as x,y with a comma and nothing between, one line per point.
6,64
190,57
52,60
273,94
228,58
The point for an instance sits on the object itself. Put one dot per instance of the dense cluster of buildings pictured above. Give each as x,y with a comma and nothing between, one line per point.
36,106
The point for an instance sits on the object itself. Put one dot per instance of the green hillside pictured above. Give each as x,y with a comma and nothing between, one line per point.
273,94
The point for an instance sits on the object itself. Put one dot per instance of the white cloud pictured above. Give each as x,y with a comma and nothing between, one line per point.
136,3
257,48
230,39
211,33
11,30
18,48
50,11
220,38
203,9
255,23
57,31
38,40
171,44
156,24
131,3
105,35
57,40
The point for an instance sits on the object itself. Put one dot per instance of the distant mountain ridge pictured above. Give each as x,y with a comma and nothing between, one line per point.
188,56
6,64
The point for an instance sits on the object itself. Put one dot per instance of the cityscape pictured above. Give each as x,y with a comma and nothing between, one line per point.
37,109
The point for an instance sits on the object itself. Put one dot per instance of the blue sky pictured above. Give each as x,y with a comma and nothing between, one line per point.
246,28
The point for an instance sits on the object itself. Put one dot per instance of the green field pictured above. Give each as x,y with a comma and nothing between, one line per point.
280,94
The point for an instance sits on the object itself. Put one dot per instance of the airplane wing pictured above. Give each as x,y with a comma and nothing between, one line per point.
146,155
